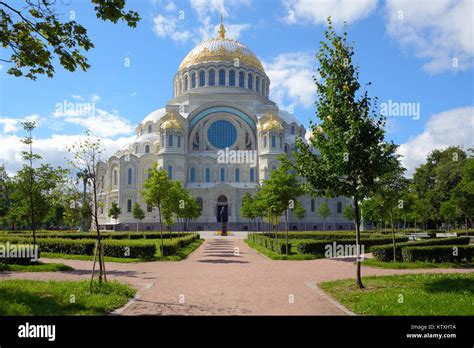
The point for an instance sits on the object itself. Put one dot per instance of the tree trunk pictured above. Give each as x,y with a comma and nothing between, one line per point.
161,229
286,232
393,238
357,226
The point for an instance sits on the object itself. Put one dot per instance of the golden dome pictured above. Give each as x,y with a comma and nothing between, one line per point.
172,122
270,123
221,49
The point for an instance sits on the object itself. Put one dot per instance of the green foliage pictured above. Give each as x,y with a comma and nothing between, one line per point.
35,34
324,211
275,245
449,253
385,252
114,211
319,246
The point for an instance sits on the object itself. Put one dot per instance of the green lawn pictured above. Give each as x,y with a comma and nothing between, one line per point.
274,256
413,294
38,267
31,297
182,254
410,265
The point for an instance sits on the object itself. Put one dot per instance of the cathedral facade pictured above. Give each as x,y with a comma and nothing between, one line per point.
220,136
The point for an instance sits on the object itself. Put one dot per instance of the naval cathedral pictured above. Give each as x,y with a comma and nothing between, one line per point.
220,103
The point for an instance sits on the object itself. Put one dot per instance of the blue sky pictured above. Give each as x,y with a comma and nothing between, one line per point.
412,52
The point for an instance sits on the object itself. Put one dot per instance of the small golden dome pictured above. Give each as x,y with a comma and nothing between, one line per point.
271,123
171,124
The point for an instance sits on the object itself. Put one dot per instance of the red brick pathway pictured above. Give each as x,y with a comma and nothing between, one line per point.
218,280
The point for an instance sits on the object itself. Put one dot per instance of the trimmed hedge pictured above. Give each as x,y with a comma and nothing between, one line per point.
318,247
385,252
276,245
114,248
171,247
322,235
104,235
438,253
20,255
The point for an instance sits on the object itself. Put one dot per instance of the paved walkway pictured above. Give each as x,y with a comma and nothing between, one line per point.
225,277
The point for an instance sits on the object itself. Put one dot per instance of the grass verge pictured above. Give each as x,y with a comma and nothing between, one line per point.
38,267
413,265
32,297
412,294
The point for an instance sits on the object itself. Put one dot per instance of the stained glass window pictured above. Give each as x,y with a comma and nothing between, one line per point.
222,134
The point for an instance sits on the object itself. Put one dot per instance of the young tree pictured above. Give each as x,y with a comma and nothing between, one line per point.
6,190
248,208
34,34
463,192
348,212
156,190
350,139
114,211
86,155
280,192
324,211
449,212
138,213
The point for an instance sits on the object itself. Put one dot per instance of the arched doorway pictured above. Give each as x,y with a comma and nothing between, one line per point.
222,209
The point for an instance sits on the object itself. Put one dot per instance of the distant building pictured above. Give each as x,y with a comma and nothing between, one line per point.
220,104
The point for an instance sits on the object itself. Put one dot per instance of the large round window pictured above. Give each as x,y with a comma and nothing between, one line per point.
222,134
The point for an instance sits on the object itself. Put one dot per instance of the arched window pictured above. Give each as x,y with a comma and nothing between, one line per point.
137,148
192,174
170,140
149,128
250,82
207,174
202,78
147,148
222,175
257,84
237,175
292,129
212,77
186,83
339,207
241,79
129,176
149,208
252,175
193,80
170,172
263,86
273,141
232,77
129,205
264,141
312,205
179,141
115,177
222,77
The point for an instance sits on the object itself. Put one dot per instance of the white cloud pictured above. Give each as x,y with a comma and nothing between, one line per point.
167,27
440,32
53,149
291,76
317,11
11,125
449,128
170,7
171,26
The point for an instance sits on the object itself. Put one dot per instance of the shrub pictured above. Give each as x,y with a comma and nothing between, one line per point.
130,249
276,245
444,253
385,252
171,247
323,235
318,247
